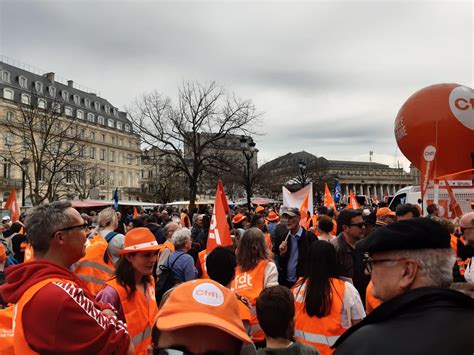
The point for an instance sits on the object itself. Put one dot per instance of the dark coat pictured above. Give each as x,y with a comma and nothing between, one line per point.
305,241
422,321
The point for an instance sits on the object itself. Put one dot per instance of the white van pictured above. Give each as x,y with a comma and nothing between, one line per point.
412,194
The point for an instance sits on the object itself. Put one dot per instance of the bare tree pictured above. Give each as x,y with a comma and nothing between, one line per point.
190,132
84,178
38,132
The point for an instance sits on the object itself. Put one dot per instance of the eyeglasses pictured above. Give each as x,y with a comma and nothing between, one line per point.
358,225
463,230
369,263
84,226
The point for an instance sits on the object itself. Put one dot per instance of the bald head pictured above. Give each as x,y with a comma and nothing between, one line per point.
467,227
170,228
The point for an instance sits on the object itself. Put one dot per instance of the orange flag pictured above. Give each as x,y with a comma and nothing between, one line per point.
12,205
328,200
220,188
453,203
353,201
219,233
135,213
304,209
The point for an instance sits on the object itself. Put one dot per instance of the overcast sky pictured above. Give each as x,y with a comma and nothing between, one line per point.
329,77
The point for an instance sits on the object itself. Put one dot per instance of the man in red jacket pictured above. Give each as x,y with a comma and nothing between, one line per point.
54,313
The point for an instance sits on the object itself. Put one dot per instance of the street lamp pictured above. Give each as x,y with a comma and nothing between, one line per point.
24,166
302,167
248,149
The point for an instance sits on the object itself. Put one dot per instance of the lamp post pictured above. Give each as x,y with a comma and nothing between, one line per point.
24,166
302,167
248,149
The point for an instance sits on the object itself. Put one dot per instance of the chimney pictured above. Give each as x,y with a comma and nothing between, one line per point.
70,83
50,76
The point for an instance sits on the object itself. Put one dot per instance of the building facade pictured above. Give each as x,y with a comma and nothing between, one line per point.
104,152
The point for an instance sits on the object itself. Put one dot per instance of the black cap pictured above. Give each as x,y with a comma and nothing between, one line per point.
415,233
291,211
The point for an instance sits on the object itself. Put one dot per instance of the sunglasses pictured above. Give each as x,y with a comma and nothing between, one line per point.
84,226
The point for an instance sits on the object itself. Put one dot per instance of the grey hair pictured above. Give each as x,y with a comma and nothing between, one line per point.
180,237
436,265
43,221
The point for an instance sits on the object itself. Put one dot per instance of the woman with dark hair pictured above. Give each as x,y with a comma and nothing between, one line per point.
254,273
325,304
132,291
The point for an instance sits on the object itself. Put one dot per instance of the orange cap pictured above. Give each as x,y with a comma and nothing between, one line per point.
139,239
273,216
239,217
202,302
384,211
259,209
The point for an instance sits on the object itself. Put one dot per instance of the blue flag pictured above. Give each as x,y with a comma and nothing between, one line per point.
337,191
116,198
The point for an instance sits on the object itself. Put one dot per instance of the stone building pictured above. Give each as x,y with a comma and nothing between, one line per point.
108,151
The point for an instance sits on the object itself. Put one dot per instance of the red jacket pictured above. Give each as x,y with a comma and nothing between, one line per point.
63,317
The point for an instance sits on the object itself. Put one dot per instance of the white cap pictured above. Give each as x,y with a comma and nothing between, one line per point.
6,218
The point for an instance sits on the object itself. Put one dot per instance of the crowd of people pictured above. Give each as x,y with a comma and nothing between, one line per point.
366,281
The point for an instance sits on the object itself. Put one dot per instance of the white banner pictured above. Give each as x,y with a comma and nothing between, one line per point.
296,198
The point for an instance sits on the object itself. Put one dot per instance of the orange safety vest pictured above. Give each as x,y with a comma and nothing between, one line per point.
6,331
370,301
185,221
268,240
320,333
92,268
28,250
202,261
249,284
167,244
19,342
454,244
140,314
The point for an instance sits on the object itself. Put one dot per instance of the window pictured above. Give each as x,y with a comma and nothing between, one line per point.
130,182
120,142
77,99
80,114
112,139
56,107
9,116
112,156
101,120
97,106
110,123
120,182
70,131
90,117
137,160
65,95
68,176
52,91
127,128
120,158
39,87
8,139
102,176
129,144
5,76
102,137
93,136
107,109
25,99
102,154
68,110
42,103
82,133
112,176
119,125
23,82
115,112
129,159
8,94
87,103
81,151
92,152
7,169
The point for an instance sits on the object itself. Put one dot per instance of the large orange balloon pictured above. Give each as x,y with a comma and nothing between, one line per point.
440,116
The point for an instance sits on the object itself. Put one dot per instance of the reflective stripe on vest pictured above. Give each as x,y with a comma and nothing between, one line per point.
316,338
92,279
94,265
137,339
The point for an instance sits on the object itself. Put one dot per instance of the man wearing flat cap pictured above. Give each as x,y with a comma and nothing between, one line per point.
411,268
291,248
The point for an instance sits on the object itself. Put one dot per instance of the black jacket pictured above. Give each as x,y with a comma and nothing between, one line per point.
305,241
422,321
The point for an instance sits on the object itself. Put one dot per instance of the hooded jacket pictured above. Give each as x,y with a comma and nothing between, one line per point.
422,321
62,317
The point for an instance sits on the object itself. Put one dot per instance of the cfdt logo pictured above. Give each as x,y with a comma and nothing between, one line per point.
461,102
429,153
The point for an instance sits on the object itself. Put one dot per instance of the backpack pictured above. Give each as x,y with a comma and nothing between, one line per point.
165,281
108,238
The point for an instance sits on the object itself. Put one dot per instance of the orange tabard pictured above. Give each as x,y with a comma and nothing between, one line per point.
92,268
20,344
28,250
268,241
202,261
167,244
6,331
185,221
454,244
370,301
319,332
249,284
140,314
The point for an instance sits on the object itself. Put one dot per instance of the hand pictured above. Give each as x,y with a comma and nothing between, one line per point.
283,247
108,313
